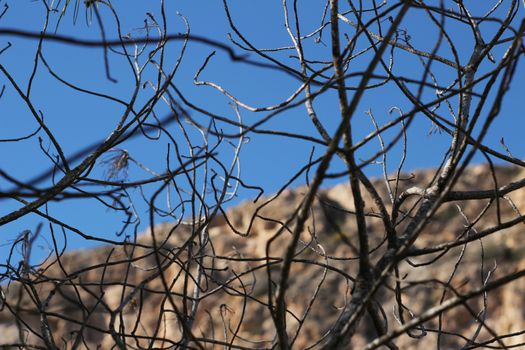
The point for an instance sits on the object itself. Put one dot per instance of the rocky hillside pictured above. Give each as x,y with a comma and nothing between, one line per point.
89,299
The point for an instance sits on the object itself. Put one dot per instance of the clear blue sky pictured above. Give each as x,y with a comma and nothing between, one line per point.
78,120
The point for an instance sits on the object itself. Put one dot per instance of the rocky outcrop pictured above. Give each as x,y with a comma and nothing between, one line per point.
90,298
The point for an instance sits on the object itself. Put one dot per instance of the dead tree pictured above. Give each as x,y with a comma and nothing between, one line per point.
399,260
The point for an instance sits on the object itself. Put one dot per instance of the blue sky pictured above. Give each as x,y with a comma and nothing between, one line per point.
78,120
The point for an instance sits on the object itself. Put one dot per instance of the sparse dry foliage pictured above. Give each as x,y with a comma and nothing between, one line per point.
406,261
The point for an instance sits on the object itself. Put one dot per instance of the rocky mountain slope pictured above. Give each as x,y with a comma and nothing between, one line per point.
88,298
